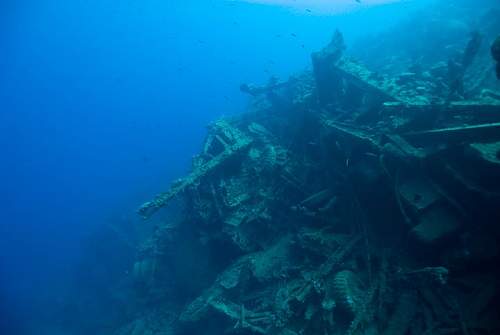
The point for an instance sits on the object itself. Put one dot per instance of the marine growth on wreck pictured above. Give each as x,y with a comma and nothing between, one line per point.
359,197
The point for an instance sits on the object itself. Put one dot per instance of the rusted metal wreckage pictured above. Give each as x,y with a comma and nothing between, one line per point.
435,144
472,127
301,204
230,141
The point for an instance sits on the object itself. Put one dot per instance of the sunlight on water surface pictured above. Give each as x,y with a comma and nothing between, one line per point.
322,6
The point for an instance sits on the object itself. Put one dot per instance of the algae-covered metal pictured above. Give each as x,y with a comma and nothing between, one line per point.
353,203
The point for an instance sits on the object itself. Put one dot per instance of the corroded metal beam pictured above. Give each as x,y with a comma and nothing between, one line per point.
241,142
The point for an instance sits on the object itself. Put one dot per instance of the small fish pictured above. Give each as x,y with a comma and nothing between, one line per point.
293,34
308,10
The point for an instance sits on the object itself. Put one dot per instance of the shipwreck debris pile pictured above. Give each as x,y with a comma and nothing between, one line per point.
343,202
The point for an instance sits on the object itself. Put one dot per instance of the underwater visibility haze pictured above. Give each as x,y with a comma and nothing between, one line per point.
249,167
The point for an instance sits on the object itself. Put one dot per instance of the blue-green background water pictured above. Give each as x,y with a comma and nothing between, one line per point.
103,103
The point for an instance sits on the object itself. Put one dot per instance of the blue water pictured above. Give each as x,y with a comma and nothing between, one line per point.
103,103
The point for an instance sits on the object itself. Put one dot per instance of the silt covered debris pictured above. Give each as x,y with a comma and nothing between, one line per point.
350,199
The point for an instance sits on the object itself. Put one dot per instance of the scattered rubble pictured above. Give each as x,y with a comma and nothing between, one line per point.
345,202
